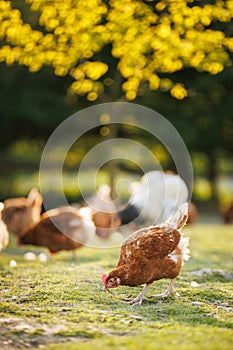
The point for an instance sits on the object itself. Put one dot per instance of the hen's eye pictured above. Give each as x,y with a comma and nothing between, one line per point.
111,281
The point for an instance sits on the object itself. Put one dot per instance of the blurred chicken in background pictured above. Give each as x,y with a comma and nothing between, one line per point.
4,236
155,198
19,213
103,211
64,228
228,214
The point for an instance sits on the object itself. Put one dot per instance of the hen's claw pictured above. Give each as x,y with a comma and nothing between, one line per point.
135,301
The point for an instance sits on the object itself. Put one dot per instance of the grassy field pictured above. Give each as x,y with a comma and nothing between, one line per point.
60,304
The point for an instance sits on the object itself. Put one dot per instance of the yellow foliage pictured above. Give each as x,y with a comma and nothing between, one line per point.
178,91
145,40
105,118
165,84
202,189
94,70
92,96
154,82
131,94
82,87
104,131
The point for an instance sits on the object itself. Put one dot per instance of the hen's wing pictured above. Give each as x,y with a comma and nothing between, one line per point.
148,243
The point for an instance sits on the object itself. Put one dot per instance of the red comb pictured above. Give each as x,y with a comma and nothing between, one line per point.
104,278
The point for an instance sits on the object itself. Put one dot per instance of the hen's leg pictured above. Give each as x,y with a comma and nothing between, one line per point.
138,300
168,292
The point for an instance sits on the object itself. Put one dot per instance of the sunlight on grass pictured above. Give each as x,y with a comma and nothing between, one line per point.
60,304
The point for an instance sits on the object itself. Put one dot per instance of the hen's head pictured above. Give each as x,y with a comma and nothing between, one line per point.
110,281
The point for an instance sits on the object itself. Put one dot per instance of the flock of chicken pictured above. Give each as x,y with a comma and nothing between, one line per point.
57,229
149,254
68,228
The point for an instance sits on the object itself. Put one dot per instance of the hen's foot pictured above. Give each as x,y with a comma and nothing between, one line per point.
136,301
131,300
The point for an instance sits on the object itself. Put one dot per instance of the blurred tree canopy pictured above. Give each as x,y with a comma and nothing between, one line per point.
108,45
172,56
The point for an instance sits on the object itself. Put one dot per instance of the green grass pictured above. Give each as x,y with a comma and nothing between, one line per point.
60,304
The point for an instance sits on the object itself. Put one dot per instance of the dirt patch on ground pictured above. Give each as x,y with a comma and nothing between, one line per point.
18,333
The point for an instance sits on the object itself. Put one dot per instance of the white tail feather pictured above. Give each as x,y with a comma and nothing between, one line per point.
184,243
178,220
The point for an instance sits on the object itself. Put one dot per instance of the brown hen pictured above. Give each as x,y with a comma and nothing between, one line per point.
59,229
19,213
151,254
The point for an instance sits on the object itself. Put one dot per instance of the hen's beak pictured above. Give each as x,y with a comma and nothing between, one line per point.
106,289
104,279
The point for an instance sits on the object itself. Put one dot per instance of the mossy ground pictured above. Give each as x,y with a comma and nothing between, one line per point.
60,304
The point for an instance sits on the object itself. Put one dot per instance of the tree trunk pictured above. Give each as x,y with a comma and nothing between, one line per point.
112,166
212,175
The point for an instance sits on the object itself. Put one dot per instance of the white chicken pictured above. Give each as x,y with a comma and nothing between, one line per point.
155,198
